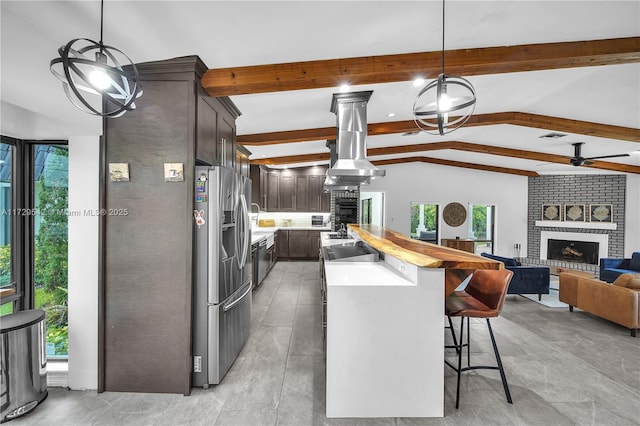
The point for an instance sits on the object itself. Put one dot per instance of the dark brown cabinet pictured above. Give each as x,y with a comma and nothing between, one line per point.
282,244
286,197
273,191
259,177
242,163
226,141
319,201
298,245
291,190
313,244
206,133
302,194
304,244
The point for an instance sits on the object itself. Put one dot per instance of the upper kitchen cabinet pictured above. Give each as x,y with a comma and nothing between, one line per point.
207,131
273,191
293,190
226,140
242,163
286,196
215,131
259,178
318,199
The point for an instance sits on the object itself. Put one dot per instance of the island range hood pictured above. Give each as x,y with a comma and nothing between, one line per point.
351,169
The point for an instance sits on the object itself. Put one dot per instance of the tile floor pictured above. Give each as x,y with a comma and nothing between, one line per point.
563,369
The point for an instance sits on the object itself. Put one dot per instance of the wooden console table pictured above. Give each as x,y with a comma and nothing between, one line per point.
458,244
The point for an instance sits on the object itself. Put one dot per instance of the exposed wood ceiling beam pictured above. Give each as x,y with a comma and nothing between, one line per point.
464,165
404,67
460,146
514,118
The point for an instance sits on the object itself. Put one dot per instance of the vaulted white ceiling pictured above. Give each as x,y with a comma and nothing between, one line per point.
241,33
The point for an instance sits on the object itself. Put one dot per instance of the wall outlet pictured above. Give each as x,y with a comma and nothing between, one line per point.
197,364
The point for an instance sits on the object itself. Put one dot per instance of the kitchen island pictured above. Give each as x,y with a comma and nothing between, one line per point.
385,326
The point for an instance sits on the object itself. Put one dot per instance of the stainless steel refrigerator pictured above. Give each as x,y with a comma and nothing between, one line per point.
222,272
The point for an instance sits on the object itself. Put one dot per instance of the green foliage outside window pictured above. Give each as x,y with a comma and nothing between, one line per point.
479,218
429,217
50,263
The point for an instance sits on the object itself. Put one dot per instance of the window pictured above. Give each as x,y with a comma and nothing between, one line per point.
481,227
7,285
33,233
424,222
50,202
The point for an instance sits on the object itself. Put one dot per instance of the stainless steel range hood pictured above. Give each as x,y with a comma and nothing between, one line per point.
352,168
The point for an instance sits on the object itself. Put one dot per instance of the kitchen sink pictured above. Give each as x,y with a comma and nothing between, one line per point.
339,237
358,252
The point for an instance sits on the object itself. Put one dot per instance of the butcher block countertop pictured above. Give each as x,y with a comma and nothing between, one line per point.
458,264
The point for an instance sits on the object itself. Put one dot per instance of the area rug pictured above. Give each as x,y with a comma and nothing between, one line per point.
549,300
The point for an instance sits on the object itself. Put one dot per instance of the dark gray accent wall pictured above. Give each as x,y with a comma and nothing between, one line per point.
147,230
576,189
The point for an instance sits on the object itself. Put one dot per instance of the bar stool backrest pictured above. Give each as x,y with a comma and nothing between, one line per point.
490,287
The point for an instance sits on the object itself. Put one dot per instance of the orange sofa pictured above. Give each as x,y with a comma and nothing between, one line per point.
617,302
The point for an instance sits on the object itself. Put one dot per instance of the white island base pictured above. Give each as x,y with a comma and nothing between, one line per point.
385,340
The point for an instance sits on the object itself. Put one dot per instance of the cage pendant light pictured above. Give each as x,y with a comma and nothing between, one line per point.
446,103
105,73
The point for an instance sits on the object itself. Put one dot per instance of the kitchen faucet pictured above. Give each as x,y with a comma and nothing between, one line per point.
258,214
343,231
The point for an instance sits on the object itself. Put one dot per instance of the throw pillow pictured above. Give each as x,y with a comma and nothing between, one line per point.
634,263
631,281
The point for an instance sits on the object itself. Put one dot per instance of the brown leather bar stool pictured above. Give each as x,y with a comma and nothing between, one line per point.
482,298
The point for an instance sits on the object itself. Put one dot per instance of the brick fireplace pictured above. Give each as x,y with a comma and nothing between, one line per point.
575,189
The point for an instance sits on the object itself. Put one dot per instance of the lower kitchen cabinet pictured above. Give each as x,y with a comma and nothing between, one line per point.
304,244
298,245
282,244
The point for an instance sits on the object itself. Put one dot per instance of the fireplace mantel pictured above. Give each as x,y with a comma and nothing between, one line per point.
584,225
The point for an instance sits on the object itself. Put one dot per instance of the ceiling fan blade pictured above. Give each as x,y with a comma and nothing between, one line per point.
607,156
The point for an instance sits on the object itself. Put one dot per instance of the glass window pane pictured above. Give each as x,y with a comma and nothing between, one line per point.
51,176
6,215
424,222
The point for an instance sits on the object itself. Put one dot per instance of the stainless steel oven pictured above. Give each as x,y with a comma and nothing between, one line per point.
346,211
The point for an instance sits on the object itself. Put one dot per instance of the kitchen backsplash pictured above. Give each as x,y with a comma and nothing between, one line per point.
289,219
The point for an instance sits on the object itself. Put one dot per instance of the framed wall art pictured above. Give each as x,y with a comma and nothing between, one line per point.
601,213
574,213
552,212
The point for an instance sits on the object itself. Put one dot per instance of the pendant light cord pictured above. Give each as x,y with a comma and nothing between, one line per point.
442,36
101,22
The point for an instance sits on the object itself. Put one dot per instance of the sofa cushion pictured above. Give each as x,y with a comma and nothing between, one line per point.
631,281
635,261
508,261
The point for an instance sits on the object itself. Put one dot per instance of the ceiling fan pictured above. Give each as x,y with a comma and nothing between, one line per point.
579,160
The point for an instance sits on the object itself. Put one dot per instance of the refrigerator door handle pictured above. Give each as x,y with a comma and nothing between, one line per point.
238,300
247,225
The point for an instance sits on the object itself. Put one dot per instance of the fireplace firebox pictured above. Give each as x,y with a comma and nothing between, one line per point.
573,251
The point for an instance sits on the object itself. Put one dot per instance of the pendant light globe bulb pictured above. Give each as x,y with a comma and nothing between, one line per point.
100,79
444,104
